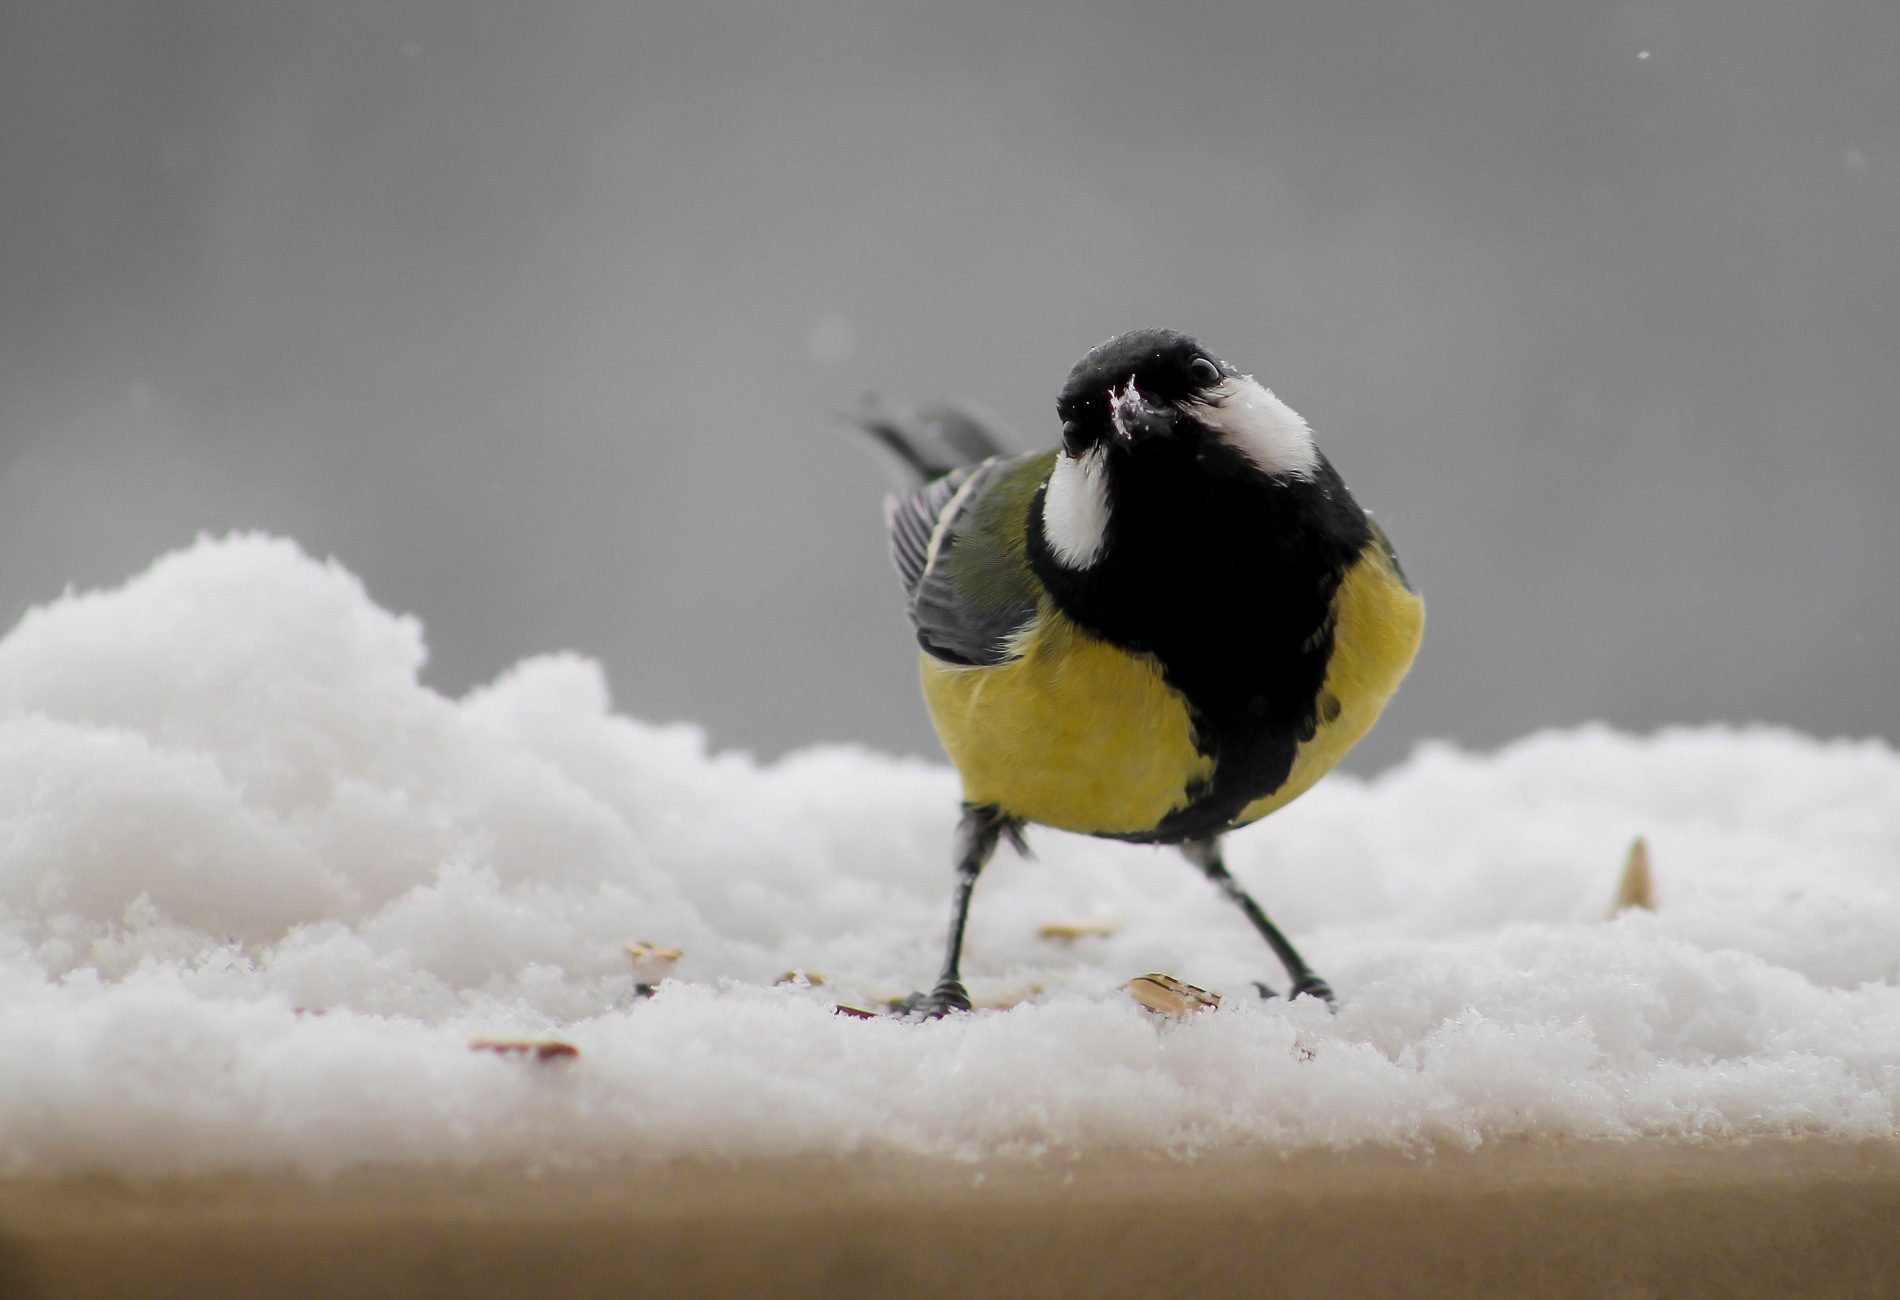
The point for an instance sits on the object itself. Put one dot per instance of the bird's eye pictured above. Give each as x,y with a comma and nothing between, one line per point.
1204,370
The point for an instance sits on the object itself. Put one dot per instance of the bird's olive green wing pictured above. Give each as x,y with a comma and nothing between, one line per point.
974,589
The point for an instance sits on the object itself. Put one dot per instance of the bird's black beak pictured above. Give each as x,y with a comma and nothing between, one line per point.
1132,418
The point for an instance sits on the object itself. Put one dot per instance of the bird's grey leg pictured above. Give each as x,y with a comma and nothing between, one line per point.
977,836
1206,855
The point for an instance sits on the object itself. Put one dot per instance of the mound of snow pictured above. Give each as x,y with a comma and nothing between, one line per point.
227,804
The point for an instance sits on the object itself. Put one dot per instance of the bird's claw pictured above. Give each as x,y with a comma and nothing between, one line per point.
1310,985
1306,986
949,996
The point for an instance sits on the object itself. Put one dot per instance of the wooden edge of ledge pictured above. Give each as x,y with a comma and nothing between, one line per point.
1782,1217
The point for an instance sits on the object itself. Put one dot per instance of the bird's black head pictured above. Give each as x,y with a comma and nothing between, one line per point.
1137,386
1148,407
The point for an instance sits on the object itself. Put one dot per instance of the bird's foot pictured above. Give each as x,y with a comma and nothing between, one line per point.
1307,986
1310,985
947,997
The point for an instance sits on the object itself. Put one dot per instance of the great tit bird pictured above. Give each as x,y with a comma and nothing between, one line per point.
1168,628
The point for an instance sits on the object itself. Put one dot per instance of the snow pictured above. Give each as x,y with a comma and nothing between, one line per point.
260,889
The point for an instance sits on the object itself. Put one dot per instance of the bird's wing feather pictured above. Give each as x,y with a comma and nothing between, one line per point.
914,518
974,589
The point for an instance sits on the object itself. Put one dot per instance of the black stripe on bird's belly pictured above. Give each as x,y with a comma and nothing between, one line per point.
1228,579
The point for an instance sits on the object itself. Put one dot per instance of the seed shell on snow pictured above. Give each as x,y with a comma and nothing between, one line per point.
541,1049
1637,888
1169,996
1067,933
648,956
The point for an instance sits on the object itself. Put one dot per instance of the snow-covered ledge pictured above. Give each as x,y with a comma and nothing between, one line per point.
260,890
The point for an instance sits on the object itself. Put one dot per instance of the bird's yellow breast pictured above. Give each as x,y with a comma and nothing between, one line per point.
1082,735
1075,733
1379,622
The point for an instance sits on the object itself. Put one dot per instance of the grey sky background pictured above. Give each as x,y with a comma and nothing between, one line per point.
537,316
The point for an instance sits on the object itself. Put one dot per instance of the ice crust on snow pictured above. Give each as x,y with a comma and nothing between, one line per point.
226,804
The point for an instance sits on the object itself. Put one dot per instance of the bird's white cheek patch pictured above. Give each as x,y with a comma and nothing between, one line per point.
1261,427
1075,508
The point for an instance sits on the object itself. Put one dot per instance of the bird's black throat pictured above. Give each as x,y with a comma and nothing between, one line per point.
1227,578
